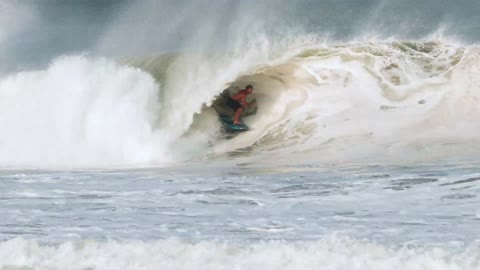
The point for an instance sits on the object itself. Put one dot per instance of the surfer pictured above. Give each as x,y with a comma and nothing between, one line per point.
239,104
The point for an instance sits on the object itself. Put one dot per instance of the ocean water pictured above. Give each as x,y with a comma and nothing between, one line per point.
363,153
338,217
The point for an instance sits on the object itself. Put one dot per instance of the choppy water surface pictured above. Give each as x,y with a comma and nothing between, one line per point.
424,204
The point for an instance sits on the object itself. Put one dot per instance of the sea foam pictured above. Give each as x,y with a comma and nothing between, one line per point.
331,253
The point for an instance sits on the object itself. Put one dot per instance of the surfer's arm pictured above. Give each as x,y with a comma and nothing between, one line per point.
244,102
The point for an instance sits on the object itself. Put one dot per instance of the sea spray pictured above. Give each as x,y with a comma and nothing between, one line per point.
80,112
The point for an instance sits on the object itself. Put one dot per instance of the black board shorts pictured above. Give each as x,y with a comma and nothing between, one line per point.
235,105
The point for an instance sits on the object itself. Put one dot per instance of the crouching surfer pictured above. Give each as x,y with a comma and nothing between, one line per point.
239,104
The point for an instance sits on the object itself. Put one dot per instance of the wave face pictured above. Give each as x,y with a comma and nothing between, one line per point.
332,252
372,101
410,101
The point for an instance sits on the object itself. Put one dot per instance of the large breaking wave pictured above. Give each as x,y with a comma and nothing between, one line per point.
365,101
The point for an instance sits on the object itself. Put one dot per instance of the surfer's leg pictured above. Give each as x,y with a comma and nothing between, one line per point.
236,119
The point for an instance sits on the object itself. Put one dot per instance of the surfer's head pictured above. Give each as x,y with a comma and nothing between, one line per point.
249,89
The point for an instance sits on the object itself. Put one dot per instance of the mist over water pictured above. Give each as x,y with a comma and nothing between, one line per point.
44,30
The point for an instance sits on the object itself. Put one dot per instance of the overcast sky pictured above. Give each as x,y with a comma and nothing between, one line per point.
33,32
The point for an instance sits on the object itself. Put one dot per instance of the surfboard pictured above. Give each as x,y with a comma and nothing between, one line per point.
227,123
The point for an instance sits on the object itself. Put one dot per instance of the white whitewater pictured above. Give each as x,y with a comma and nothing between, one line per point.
331,253
79,112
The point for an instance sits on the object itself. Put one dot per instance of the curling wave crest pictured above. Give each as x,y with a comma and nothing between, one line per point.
360,101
